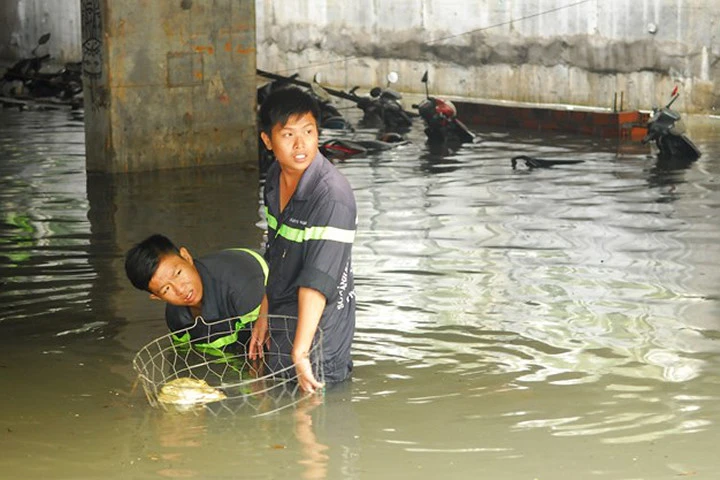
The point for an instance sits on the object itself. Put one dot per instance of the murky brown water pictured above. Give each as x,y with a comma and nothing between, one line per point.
547,324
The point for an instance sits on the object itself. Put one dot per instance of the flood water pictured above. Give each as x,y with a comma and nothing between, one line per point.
559,323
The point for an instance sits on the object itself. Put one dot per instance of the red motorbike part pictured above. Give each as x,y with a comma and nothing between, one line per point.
445,108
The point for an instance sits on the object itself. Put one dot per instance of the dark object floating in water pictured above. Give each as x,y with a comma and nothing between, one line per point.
533,162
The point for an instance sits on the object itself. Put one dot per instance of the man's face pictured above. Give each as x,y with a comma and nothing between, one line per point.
177,281
294,144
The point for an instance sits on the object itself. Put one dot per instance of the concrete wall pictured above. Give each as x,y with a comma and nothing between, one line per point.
22,22
579,52
539,51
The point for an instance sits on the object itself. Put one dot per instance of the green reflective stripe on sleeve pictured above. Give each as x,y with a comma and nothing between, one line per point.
184,339
215,347
330,233
292,234
271,221
249,317
209,350
299,235
316,233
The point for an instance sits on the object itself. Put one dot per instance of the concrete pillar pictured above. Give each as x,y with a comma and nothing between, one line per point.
169,84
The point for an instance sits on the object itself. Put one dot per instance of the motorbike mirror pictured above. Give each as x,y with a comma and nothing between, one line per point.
41,41
425,81
317,78
392,77
318,89
673,96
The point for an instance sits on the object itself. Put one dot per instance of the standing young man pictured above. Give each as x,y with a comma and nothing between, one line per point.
312,218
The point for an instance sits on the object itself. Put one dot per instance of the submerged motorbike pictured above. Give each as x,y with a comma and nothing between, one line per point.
330,116
342,149
441,123
382,108
25,79
667,130
14,83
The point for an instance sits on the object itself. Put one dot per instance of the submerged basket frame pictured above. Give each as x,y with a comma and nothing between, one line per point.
263,386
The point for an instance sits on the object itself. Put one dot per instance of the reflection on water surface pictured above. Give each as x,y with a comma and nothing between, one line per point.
506,317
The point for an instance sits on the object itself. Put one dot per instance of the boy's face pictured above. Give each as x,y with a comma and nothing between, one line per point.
177,281
294,144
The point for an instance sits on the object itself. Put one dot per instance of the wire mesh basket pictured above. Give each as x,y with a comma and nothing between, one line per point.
191,376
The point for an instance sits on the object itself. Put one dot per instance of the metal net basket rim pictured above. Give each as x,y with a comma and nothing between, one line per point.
156,363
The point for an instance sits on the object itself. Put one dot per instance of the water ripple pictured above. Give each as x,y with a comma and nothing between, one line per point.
572,301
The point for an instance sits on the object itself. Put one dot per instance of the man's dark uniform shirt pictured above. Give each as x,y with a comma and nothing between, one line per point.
309,245
233,286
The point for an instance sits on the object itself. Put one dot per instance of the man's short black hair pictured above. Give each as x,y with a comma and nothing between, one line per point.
143,259
284,103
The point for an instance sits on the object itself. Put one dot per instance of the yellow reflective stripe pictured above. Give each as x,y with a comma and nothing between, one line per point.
330,233
214,347
249,317
271,221
292,234
184,339
259,258
300,235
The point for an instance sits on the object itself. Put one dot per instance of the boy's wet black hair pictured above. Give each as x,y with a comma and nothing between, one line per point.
143,259
283,103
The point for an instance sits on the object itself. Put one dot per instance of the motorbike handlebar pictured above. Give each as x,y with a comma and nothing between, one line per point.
293,80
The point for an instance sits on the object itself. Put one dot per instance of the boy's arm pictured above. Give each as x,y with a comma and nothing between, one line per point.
259,337
311,304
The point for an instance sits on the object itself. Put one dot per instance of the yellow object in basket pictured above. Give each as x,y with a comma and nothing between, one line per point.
187,391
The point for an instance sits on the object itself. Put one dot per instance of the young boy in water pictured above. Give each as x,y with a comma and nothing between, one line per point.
311,216
222,285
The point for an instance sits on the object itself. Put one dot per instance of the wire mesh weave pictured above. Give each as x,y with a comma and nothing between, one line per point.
258,387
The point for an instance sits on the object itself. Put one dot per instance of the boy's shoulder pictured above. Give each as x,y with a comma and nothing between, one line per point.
232,255
231,266
227,258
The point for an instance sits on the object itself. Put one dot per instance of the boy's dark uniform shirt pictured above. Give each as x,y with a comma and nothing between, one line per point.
233,286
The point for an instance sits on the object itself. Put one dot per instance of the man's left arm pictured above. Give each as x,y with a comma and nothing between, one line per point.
311,304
